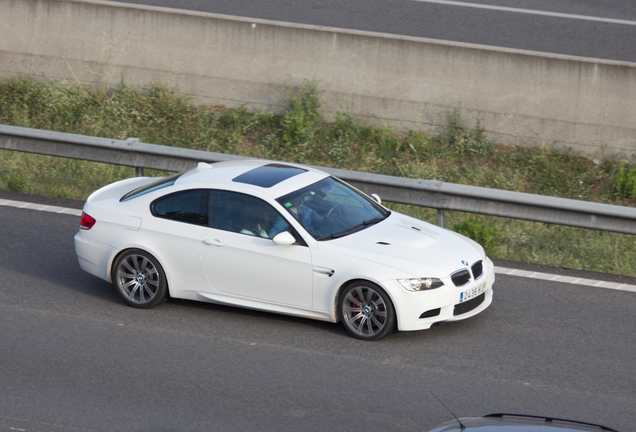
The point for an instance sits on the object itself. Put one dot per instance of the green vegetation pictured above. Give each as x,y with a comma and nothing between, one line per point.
623,182
486,235
461,154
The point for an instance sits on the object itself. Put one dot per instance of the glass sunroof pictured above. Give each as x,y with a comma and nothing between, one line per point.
269,175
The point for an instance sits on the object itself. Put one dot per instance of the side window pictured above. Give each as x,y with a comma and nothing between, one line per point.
187,206
240,213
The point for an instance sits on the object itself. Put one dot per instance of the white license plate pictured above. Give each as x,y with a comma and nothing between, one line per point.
472,293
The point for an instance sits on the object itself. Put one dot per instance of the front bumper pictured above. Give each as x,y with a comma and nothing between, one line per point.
420,310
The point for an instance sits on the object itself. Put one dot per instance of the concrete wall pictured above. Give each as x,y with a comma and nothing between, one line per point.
519,97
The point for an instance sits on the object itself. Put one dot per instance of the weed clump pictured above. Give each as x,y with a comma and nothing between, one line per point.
299,124
623,182
486,235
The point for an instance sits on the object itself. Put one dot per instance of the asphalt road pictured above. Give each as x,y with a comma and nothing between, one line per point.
588,28
74,358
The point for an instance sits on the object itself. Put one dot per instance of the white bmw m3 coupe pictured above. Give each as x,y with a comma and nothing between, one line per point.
281,238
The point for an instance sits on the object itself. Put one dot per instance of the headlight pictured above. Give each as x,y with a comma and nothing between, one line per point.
420,284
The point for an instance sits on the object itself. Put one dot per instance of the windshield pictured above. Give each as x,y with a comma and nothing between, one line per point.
330,209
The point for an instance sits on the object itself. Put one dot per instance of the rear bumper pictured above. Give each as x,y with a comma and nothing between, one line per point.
93,256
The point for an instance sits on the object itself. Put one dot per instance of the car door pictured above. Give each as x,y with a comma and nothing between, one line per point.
179,220
240,259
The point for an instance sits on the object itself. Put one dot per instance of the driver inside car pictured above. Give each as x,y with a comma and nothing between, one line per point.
262,221
307,217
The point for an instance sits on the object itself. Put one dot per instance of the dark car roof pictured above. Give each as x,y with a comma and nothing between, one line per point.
519,423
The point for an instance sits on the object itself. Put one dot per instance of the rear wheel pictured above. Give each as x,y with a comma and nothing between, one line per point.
366,311
139,279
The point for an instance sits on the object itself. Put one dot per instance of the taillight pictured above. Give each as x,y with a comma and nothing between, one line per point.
86,222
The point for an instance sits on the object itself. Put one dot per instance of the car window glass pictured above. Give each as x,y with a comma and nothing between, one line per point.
189,206
245,214
269,175
151,187
330,208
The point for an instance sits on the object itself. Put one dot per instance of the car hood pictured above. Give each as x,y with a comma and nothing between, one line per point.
410,245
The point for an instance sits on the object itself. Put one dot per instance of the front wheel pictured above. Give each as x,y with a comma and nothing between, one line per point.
366,311
139,279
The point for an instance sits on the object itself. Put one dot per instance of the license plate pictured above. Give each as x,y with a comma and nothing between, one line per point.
472,293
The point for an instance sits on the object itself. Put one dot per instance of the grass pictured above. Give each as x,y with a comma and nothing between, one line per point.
461,154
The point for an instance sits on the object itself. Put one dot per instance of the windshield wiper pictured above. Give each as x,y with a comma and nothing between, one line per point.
365,223
334,236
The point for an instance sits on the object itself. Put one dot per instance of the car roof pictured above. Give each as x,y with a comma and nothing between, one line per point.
272,178
519,423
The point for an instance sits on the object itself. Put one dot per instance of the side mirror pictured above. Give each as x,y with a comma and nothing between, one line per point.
376,198
284,239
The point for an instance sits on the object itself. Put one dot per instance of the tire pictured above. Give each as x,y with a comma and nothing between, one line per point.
139,279
366,311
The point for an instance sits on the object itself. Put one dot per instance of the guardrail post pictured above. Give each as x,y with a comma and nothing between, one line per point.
440,217
139,171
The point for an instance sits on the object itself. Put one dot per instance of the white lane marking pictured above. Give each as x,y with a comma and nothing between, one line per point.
530,12
40,207
566,279
500,270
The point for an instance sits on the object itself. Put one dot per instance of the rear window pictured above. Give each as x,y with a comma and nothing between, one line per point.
151,187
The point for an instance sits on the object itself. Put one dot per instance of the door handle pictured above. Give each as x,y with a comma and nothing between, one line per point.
213,242
326,271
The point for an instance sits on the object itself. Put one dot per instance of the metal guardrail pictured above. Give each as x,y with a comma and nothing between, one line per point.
425,193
